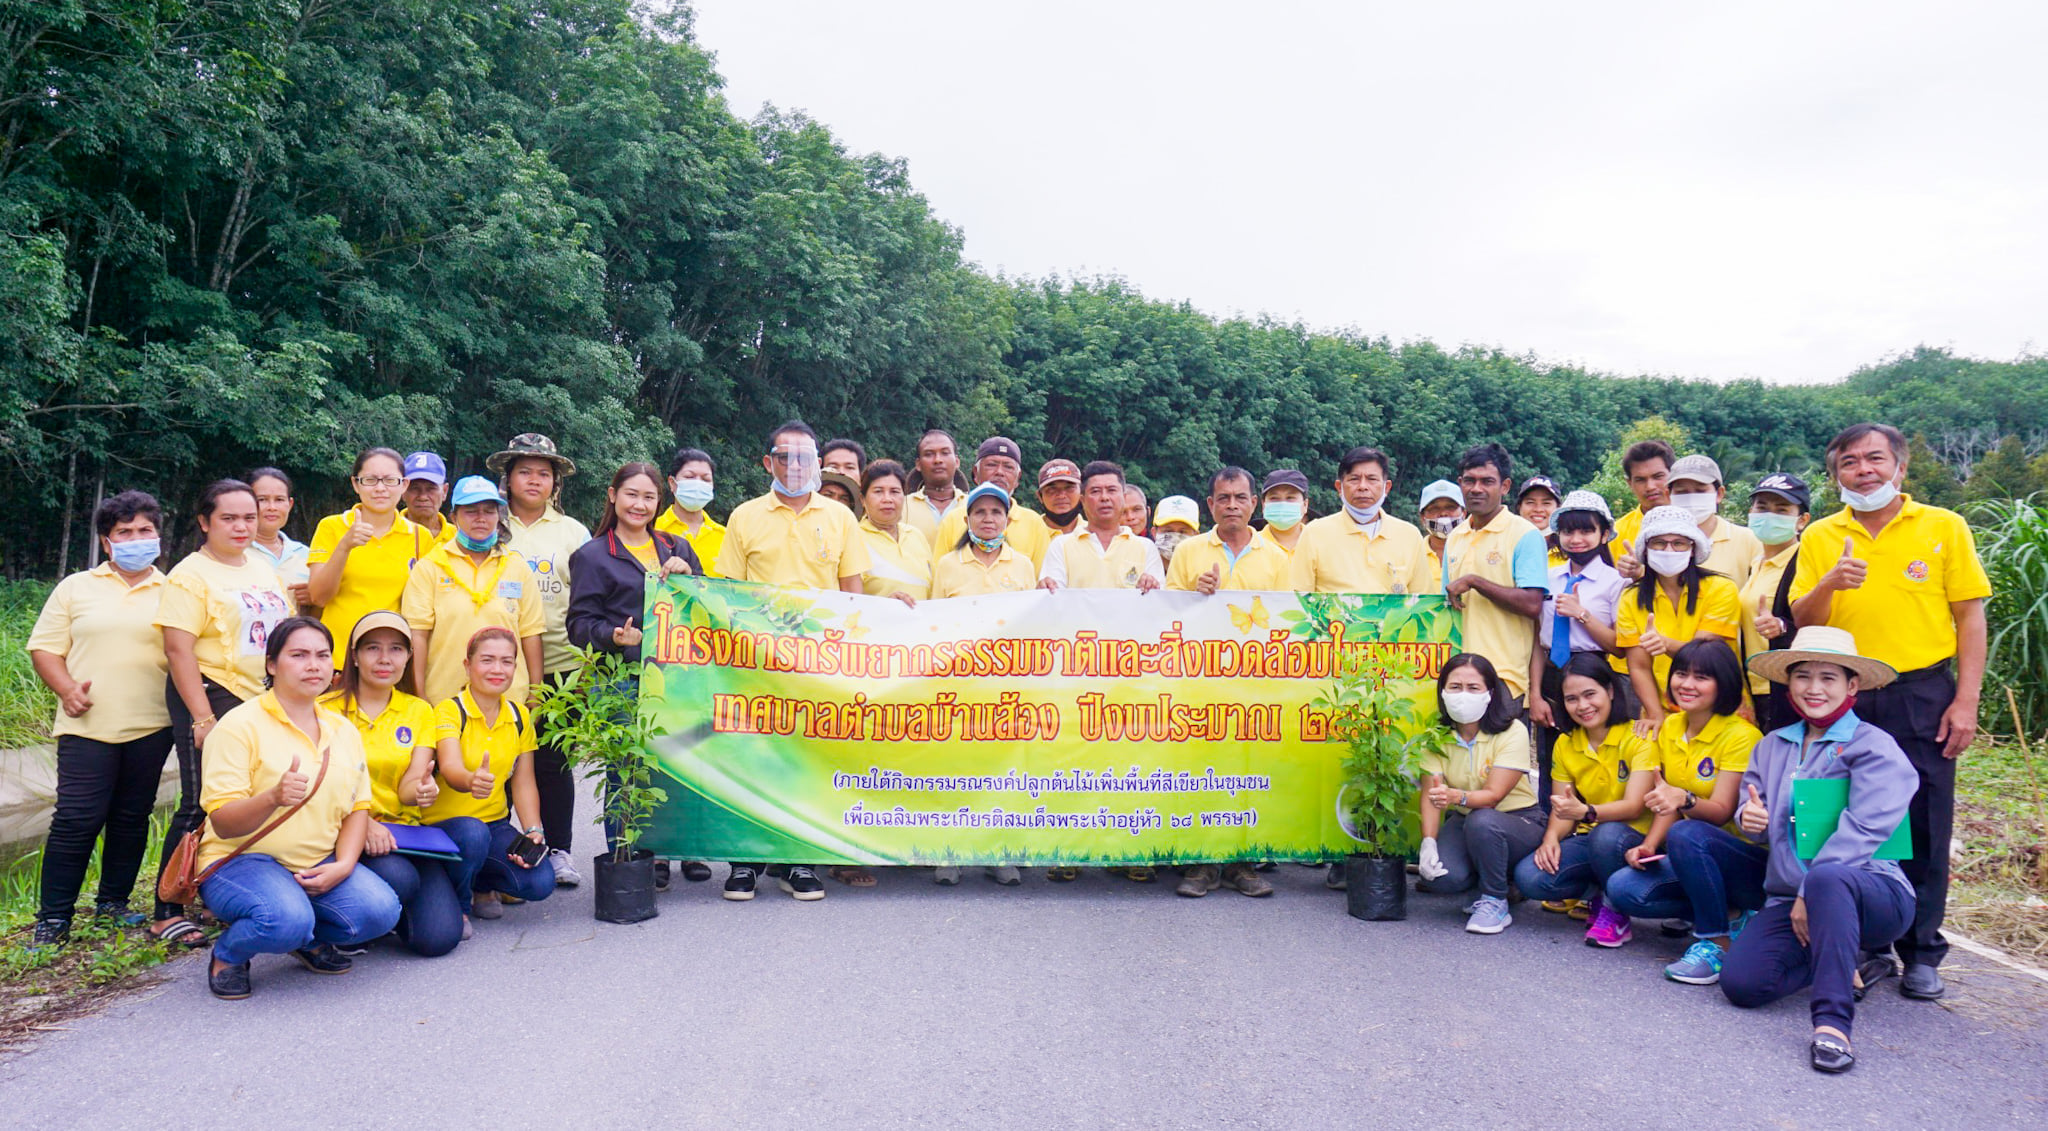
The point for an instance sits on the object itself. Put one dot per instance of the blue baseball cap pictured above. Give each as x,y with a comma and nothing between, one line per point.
475,489
427,466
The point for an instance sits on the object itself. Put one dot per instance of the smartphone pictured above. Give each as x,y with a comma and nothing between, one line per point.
527,852
1650,859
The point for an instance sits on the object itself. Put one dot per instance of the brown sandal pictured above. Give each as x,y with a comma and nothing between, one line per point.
179,932
853,877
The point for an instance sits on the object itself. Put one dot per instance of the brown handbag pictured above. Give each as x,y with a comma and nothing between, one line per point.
180,879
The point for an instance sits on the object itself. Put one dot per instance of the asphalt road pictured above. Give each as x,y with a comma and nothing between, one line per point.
1097,1004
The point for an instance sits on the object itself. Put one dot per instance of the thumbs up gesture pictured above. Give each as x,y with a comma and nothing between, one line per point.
1565,803
1207,583
482,780
1439,793
292,788
1767,626
1850,570
1654,642
78,700
1754,817
425,793
1630,563
1568,602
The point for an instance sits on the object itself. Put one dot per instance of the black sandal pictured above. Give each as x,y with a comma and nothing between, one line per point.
1830,1055
180,932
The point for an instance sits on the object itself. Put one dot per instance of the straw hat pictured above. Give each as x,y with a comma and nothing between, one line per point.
1818,642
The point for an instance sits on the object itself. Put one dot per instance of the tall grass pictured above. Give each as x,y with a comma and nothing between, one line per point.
26,706
2012,538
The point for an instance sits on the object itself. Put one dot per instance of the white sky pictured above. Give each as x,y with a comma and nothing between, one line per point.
1785,191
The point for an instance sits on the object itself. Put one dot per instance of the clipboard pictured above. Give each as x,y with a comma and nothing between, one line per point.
1817,805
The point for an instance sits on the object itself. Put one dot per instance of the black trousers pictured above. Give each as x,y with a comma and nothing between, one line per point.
105,787
187,816
1910,711
556,784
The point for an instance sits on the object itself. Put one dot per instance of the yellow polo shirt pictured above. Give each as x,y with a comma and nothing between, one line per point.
230,611
1600,774
1507,551
1027,532
389,738
376,572
902,564
1080,561
546,546
453,598
1336,555
961,574
1266,533
1734,551
710,538
507,740
918,512
766,541
1261,565
1721,748
1718,611
105,631
1467,767
1627,527
1762,588
248,752
1922,560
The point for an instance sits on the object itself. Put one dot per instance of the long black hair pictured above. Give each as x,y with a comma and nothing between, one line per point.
1688,580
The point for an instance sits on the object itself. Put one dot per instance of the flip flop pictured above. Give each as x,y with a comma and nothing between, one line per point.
854,877
179,932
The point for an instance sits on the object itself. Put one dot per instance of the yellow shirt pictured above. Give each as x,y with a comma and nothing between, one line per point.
405,723
1266,533
1508,551
230,610
961,574
546,546
375,575
918,512
106,632
453,598
766,541
1626,528
1467,767
1027,532
1734,551
1335,555
1721,747
1762,589
251,748
505,741
1600,775
1923,559
1261,565
1080,561
1718,611
902,564
643,553
709,540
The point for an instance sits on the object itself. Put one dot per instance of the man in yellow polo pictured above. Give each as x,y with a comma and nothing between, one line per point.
1496,568
1904,579
938,489
1362,549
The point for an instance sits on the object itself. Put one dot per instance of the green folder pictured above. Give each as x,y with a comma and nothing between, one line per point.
1817,805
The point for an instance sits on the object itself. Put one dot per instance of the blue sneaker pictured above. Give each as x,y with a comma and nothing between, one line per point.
1736,925
1701,965
1489,916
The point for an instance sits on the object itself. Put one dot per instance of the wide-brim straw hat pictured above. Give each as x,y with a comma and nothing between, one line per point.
1819,643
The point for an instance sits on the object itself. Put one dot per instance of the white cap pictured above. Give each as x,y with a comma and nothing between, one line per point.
1177,508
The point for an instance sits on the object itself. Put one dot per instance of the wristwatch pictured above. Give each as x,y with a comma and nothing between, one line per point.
1463,794
1691,799
1591,816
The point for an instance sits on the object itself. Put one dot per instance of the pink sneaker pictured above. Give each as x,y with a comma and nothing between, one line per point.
1610,928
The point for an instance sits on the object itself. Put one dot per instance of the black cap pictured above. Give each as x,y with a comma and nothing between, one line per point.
1535,481
1285,477
1000,446
1786,486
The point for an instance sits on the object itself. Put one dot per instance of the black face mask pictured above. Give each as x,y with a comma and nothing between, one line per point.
1579,558
1062,518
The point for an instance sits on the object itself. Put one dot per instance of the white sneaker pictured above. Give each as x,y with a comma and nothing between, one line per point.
566,875
946,875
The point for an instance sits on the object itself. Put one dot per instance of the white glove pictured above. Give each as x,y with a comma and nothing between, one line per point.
1428,864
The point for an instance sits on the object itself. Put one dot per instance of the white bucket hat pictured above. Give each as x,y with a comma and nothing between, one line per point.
1819,643
1588,501
1674,520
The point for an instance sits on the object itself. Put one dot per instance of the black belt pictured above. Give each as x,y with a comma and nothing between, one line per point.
1932,671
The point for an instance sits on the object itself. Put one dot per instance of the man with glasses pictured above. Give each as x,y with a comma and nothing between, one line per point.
791,536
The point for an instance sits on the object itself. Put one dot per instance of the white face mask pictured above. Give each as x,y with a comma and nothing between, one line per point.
1699,504
1168,542
1875,501
1670,563
1466,706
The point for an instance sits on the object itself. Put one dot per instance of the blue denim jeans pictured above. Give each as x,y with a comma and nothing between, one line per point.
267,912
1847,910
1583,863
499,873
429,890
1705,871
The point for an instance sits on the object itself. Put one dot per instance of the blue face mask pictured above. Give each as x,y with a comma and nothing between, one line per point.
1284,515
1772,528
136,554
693,494
1365,517
476,545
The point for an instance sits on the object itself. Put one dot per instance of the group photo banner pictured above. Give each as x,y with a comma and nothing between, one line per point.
1082,727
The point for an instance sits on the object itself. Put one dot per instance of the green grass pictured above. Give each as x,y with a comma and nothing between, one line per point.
26,706
2012,538
1999,892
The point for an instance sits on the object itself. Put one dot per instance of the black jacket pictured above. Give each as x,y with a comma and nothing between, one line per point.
608,588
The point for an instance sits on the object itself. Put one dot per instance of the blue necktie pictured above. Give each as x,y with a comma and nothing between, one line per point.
1561,628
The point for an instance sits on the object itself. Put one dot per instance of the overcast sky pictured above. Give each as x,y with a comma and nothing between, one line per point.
1778,190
